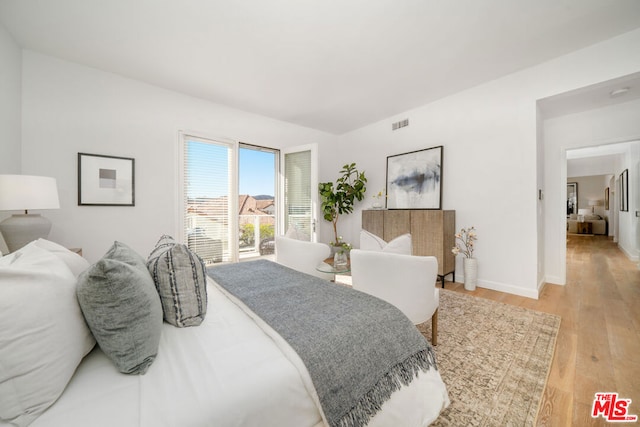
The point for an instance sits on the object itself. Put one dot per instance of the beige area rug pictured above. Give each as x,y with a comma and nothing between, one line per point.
494,358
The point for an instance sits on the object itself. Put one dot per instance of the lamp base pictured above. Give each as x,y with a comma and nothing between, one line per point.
20,229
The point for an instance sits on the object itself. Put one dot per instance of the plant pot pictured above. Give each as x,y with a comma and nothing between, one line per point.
470,266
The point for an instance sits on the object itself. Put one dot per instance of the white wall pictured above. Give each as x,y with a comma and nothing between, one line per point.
70,108
587,166
628,237
10,103
10,109
490,151
634,197
616,123
540,224
485,174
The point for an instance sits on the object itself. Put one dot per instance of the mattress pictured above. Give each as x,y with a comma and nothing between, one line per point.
229,371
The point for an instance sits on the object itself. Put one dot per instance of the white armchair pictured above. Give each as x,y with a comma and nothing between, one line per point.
302,256
406,281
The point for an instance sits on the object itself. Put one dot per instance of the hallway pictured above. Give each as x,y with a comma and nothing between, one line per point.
598,345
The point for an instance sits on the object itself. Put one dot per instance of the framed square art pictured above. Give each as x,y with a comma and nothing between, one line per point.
105,180
414,179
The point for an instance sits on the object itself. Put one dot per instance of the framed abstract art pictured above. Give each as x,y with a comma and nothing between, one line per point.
414,179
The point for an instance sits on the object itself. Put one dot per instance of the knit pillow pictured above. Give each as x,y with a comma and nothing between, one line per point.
180,278
122,308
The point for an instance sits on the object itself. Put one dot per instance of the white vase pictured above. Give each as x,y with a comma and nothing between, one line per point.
470,273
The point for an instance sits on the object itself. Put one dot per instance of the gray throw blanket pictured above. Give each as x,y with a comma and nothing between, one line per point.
358,349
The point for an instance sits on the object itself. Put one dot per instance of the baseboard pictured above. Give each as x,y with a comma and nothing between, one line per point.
509,289
632,258
555,280
541,284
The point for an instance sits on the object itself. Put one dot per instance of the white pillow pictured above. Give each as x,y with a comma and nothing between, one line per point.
43,336
75,262
399,245
371,242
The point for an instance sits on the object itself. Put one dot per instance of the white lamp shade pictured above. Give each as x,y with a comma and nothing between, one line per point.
23,192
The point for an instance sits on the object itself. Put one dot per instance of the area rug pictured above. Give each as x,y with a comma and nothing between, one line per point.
494,358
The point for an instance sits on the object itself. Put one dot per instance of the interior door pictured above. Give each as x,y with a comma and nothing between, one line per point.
300,190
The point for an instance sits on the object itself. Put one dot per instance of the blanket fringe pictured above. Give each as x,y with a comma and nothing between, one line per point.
400,375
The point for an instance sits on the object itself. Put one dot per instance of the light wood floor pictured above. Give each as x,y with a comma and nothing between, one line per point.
598,346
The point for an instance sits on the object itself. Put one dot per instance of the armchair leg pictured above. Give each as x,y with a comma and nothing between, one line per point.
434,328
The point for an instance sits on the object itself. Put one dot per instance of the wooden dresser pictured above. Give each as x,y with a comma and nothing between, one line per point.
432,232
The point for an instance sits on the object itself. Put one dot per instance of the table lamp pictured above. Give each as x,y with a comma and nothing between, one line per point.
24,192
594,203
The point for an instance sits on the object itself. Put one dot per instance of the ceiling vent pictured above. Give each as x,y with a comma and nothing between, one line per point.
400,124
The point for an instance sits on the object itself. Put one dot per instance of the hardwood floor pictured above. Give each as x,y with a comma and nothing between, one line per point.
598,345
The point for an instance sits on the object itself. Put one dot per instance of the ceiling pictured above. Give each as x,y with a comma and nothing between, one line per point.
611,92
330,65
600,151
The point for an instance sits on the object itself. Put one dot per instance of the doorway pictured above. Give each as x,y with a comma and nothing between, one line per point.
257,213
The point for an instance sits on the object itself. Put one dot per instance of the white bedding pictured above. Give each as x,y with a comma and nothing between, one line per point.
225,372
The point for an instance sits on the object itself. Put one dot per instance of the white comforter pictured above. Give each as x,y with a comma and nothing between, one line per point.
225,372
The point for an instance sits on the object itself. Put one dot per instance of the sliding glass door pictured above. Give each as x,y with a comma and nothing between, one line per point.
231,208
209,219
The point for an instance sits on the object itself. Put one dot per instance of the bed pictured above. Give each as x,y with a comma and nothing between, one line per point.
230,370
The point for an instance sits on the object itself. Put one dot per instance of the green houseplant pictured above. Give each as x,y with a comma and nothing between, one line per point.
340,199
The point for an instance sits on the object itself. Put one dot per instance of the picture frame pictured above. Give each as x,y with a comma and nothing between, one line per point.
414,179
606,199
105,180
624,191
572,198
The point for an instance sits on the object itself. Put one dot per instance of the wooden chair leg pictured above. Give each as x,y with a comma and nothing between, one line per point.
434,328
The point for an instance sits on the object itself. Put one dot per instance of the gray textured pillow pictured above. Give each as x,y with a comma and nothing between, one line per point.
181,281
122,308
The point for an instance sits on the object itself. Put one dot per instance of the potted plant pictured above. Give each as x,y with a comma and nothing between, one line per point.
466,237
340,199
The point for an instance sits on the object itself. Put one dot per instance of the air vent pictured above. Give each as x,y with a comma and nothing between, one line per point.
400,124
